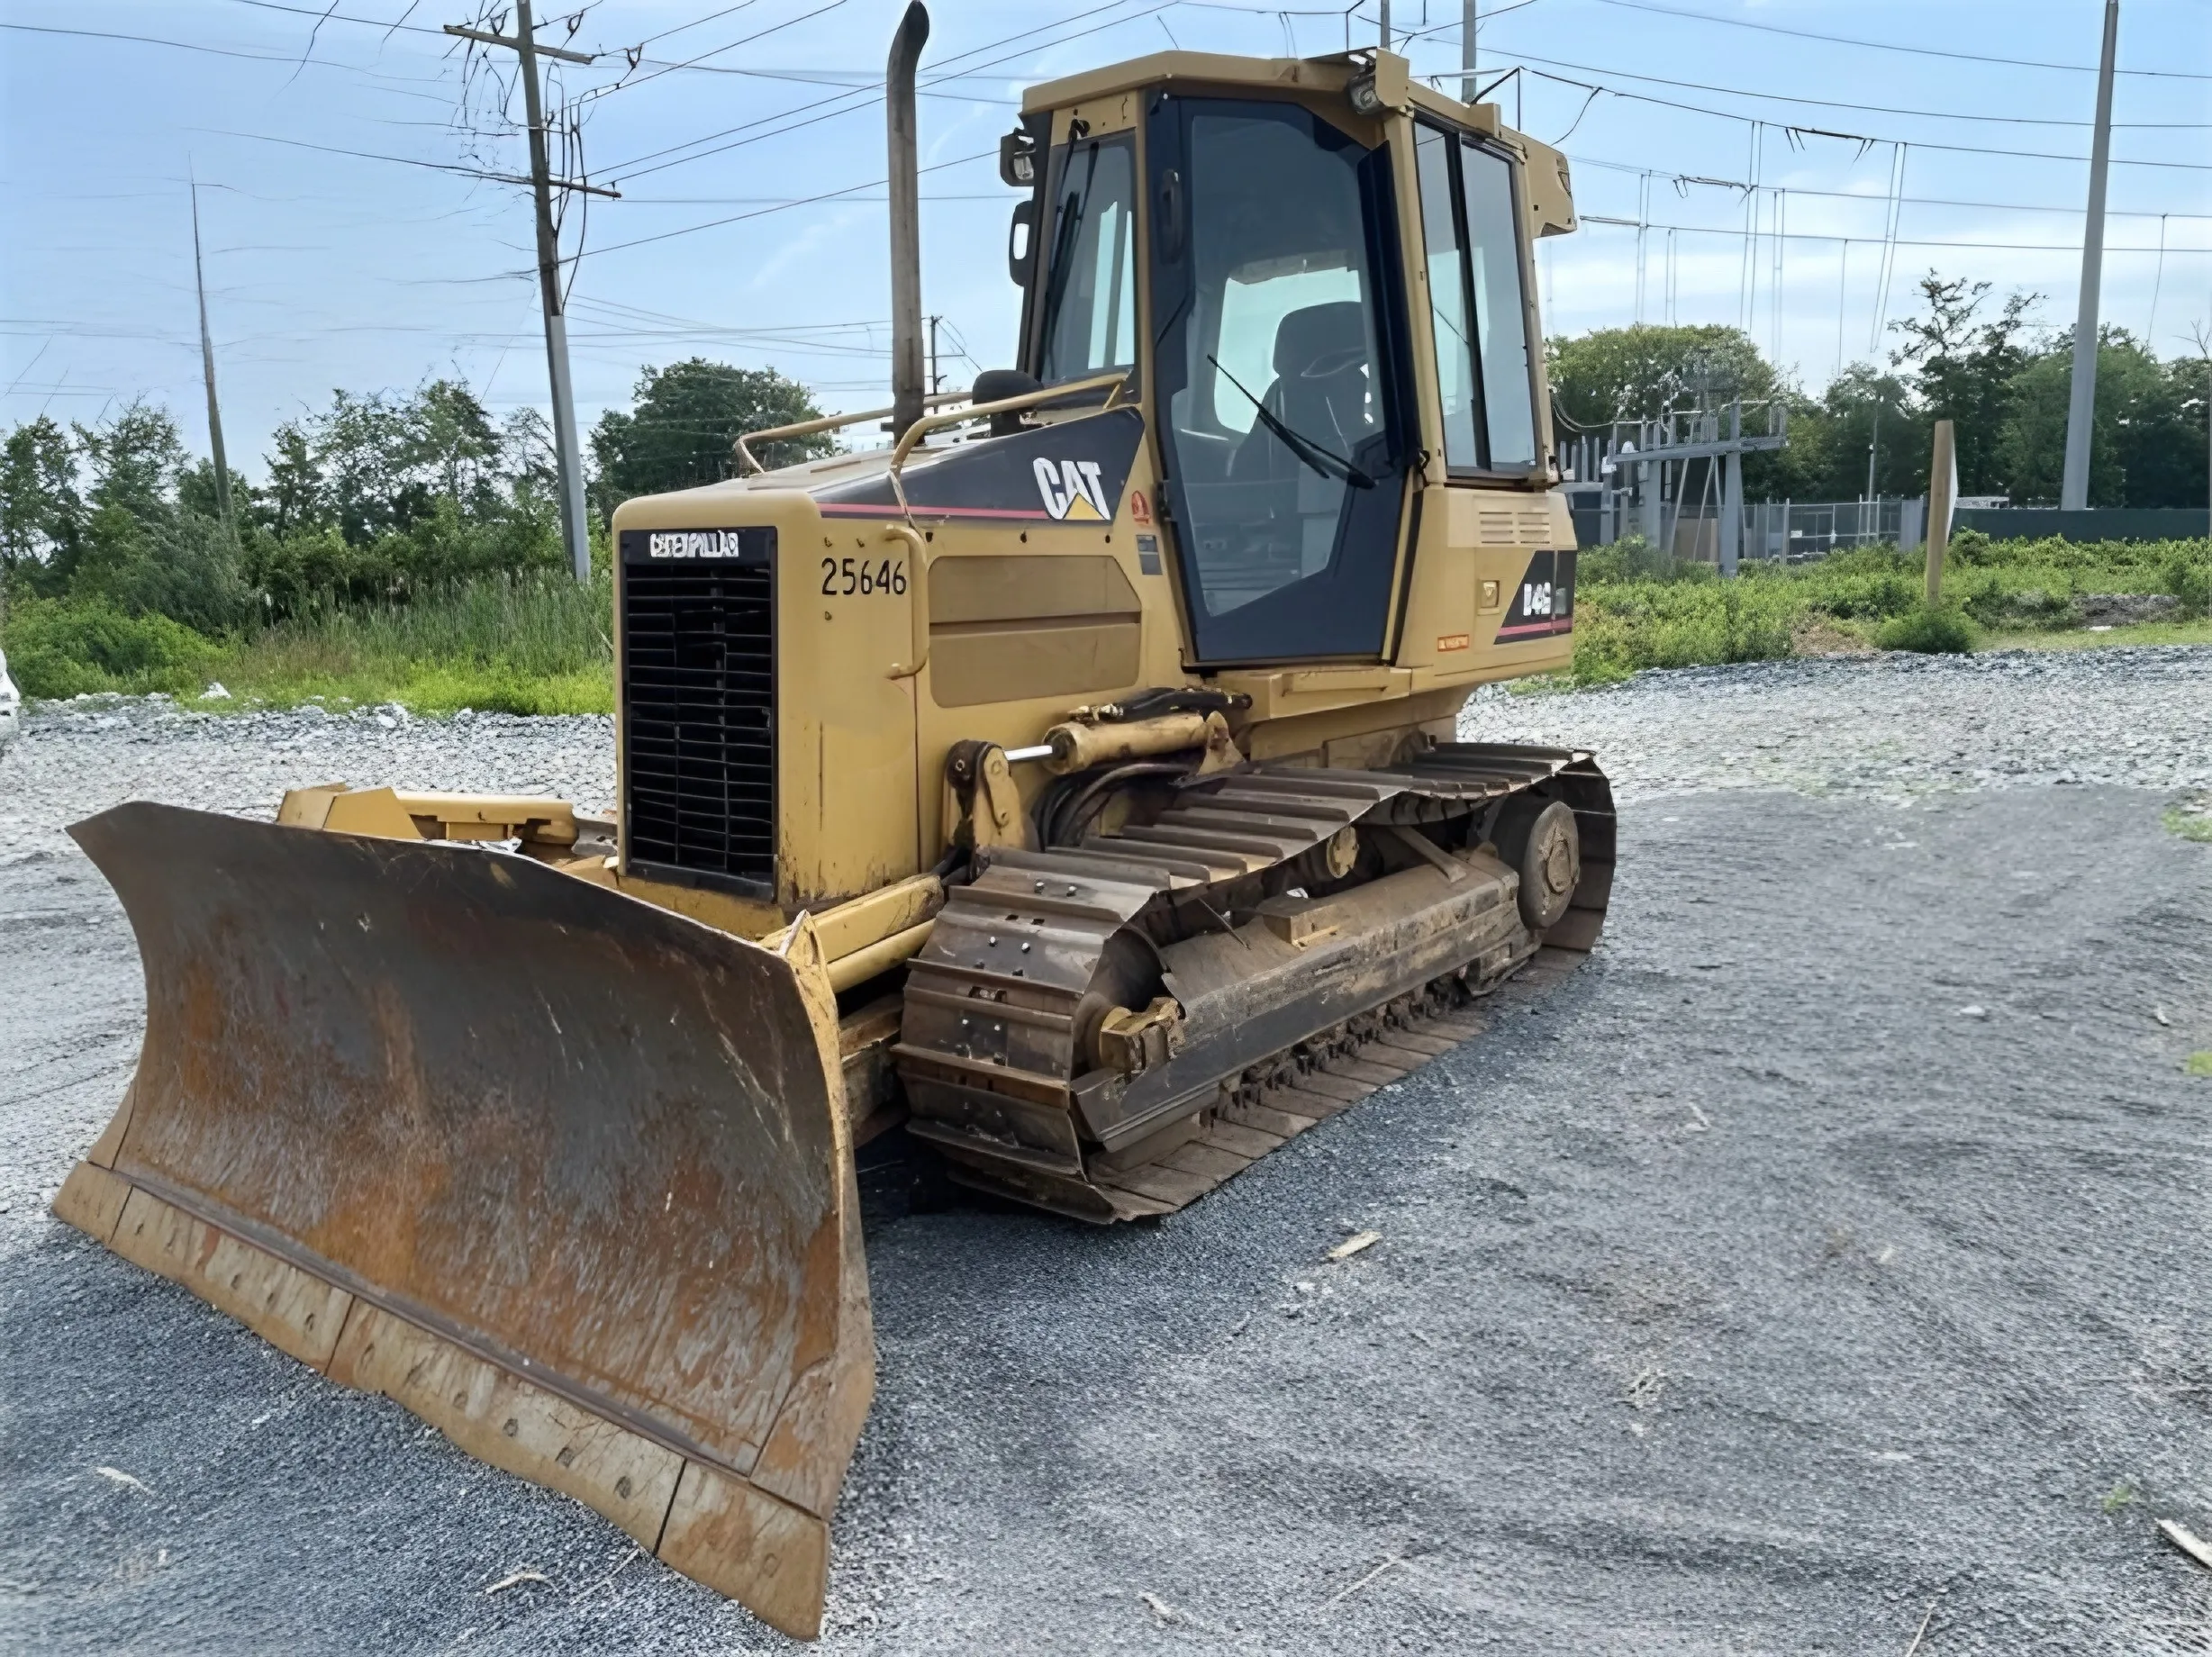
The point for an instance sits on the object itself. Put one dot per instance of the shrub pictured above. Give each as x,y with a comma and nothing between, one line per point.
58,649
1988,601
2100,560
176,563
1621,628
2187,576
1932,632
1864,585
530,643
316,569
1634,559
1967,546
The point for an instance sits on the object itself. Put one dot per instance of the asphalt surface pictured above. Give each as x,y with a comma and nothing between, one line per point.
1826,1258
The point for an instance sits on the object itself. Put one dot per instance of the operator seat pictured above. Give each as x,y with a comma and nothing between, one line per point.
1320,391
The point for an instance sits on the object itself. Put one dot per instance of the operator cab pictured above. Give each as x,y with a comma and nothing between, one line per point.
1301,362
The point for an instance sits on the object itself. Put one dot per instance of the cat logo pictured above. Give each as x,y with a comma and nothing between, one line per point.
1072,490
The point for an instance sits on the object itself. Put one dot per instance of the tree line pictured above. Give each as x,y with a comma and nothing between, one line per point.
371,499
1984,368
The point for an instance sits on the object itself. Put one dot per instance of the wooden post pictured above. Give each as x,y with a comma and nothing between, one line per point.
1942,499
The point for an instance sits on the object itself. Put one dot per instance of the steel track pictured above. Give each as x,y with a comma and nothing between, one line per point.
992,1050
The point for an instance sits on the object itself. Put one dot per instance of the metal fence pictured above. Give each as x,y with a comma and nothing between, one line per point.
1783,531
1795,531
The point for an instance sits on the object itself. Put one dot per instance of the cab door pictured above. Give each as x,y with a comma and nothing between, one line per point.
1282,376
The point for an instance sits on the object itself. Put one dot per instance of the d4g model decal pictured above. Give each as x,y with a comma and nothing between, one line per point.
1543,603
1071,472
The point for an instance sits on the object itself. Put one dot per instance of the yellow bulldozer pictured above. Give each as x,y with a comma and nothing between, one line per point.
1072,785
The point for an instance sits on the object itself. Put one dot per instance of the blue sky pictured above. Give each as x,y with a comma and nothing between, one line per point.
328,267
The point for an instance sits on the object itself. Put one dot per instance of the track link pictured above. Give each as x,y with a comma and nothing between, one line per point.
995,1055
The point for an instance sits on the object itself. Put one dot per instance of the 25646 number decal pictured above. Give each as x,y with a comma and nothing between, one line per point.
843,578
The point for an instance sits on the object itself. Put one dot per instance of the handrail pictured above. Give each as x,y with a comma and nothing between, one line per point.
827,422
917,598
916,543
928,422
1004,405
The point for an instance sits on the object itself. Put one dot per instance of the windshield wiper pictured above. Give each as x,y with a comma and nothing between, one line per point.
1072,212
1333,466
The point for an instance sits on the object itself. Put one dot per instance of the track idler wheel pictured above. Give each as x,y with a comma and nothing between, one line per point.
1538,839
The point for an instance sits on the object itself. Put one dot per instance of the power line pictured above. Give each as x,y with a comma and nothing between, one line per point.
804,201
321,17
1853,195
625,177
849,80
792,200
1875,109
624,85
695,24
868,97
1796,130
1891,46
663,316
216,51
360,154
1902,241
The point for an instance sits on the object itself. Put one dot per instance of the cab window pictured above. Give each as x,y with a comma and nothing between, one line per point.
1088,317
1484,370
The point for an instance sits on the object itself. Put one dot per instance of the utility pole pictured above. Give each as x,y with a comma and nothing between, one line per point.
1468,15
936,380
1384,6
1874,447
1943,502
207,369
1732,492
2082,409
576,529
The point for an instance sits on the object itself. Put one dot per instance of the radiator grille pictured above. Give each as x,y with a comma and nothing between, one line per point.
699,661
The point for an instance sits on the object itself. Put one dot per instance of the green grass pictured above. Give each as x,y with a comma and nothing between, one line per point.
513,645
540,644
1634,608
2191,819
2081,638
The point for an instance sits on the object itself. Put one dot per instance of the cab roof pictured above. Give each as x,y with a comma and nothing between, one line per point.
1331,74
1551,193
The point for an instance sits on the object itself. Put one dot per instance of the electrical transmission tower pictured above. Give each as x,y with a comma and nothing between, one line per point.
575,529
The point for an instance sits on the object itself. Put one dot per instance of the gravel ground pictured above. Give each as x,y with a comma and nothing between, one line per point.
1829,1250
1891,726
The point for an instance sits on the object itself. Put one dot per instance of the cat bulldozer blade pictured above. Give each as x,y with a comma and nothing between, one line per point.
561,1172
1072,790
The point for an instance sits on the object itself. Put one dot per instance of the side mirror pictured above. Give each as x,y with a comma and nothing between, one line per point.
1017,159
1023,230
996,385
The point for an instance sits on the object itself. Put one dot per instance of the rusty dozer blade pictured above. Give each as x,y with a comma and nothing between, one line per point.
566,1174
